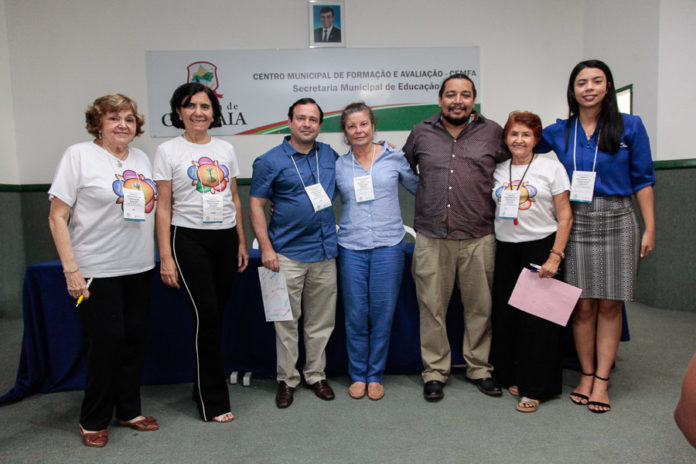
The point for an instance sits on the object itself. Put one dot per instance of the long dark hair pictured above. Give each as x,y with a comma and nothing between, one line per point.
610,120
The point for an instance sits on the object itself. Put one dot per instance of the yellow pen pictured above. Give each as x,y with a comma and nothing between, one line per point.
82,297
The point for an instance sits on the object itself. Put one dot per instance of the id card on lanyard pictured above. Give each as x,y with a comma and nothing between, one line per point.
509,204
212,208
510,199
364,191
583,182
316,193
133,196
134,204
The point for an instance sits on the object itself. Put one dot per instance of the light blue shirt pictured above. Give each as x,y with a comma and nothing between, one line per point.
375,223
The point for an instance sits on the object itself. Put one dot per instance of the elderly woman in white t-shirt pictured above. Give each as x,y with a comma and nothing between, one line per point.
101,219
526,348
200,233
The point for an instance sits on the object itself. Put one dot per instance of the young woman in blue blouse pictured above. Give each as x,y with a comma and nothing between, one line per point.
607,156
370,252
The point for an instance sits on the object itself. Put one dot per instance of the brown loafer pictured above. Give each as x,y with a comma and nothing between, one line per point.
357,390
375,391
284,396
96,439
323,390
144,424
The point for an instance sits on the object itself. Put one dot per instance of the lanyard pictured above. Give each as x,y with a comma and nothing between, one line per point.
316,155
525,173
372,163
575,141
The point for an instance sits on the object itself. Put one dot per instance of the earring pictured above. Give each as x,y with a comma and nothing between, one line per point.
100,135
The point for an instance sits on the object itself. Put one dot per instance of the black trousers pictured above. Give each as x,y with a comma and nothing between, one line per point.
114,323
207,265
526,349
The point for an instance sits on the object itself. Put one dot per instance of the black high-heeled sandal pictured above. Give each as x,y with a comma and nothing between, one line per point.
580,396
598,403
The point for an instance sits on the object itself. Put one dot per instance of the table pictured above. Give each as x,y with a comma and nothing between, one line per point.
53,358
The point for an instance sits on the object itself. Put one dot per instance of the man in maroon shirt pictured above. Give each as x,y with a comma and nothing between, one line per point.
455,153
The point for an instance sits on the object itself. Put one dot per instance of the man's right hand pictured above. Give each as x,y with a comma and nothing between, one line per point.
269,259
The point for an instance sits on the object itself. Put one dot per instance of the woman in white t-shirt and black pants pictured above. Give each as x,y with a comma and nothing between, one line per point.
526,351
200,233
101,219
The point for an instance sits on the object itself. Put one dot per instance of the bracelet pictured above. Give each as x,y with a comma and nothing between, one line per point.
71,272
558,253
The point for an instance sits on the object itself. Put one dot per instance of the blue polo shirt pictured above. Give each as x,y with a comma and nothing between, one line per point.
296,230
622,173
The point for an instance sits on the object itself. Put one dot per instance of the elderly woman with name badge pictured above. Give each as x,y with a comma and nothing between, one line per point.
532,224
101,219
370,239
200,233
607,155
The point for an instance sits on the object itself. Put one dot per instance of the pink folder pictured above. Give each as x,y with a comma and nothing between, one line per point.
549,299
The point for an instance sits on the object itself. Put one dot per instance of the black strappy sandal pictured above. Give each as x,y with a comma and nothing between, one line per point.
581,397
598,403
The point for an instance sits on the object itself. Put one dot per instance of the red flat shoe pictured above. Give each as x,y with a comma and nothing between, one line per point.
96,439
146,424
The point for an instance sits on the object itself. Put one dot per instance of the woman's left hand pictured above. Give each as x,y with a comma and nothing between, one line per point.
242,258
550,267
647,244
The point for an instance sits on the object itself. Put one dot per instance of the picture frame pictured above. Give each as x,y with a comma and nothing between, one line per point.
624,98
326,23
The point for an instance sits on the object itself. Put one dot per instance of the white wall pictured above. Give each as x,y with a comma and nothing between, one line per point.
625,35
9,167
677,72
64,53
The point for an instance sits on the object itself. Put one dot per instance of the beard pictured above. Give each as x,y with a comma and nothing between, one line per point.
456,121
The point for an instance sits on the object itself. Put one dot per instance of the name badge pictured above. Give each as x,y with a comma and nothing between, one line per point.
212,208
582,186
320,200
363,189
509,204
133,204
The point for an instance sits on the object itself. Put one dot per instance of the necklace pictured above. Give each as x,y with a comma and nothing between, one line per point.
120,157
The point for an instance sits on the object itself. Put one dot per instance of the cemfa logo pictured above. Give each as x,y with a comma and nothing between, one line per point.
204,72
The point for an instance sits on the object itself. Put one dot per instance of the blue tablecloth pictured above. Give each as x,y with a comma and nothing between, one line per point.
53,358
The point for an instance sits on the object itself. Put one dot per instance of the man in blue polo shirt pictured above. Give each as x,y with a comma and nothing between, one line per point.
298,177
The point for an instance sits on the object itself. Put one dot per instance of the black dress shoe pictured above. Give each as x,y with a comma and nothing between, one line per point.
432,390
284,395
323,390
487,386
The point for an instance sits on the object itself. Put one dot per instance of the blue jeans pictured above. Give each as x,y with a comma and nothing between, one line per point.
370,282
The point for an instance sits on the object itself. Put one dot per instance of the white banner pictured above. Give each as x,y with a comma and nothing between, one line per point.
256,87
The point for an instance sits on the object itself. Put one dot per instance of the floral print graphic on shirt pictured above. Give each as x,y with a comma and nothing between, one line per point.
527,193
132,180
208,175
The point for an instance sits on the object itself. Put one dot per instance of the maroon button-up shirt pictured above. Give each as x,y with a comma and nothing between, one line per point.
453,199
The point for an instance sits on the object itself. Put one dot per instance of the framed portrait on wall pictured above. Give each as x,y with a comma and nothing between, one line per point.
326,23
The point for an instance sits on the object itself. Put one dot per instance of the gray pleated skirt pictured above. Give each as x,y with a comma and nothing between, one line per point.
603,250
